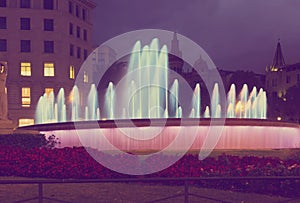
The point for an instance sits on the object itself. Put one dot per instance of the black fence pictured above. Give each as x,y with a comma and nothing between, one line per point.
182,181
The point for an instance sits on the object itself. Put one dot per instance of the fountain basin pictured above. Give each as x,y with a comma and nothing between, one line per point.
133,134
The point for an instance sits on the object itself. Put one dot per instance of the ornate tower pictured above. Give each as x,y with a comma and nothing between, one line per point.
175,46
175,55
278,60
276,74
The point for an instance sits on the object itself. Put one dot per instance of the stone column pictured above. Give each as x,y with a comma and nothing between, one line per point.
6,125
3,92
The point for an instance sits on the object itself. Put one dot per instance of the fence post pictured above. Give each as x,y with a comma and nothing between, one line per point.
40,192
186,192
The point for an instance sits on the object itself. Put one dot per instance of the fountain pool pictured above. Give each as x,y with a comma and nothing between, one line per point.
113,134
143,113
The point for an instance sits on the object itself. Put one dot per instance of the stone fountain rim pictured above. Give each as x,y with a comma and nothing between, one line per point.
159,122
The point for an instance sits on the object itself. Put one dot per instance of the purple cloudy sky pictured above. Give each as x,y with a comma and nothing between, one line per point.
237,34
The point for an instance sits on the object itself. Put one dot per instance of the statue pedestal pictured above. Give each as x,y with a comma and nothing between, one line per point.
6,127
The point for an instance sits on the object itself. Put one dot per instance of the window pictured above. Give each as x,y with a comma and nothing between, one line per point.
85,35
274,82
48,4
85,54
48,91
25,69
288,79
25,46
25,23
72,72
25,121
48,24
2,3
48,46
48,69
71,29
25,4
2,22
26,100
71,50
78,32
78,52
83,14
70,7
85,77
3,45
77,11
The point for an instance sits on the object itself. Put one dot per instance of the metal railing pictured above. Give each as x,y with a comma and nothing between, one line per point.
184,181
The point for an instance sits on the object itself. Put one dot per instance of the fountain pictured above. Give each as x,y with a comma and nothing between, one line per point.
148,100
146,93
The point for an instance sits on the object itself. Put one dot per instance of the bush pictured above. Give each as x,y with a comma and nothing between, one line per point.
28,140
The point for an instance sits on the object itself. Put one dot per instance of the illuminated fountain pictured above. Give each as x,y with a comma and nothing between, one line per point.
148,99
147,93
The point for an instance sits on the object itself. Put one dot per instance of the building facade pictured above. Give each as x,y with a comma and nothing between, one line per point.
280,76
44,43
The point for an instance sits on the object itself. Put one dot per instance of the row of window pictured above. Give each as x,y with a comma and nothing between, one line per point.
26,91
25,24
47,4
78,32
287,80
77,10
26,95
25,46
49,70
78,52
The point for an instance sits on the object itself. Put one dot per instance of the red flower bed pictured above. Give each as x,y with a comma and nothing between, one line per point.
77,163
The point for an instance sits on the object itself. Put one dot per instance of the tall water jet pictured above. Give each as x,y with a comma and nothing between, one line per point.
196,101
230,111
110,100
174,97
75,104
40,111
243,99
244,94
239,109
218,111
132,101
147,77
253,94
61,106
206,112
247,109
98,114
231,99
93,102
261,104
179,115
192,113
215,101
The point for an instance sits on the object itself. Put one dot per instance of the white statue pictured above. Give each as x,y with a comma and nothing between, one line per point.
3,93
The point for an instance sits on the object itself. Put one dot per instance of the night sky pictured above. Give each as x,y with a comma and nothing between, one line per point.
236,34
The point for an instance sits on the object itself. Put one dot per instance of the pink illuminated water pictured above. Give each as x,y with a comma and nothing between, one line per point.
236,134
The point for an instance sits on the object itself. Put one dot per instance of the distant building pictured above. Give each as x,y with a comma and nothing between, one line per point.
103,58
280,76
44,43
